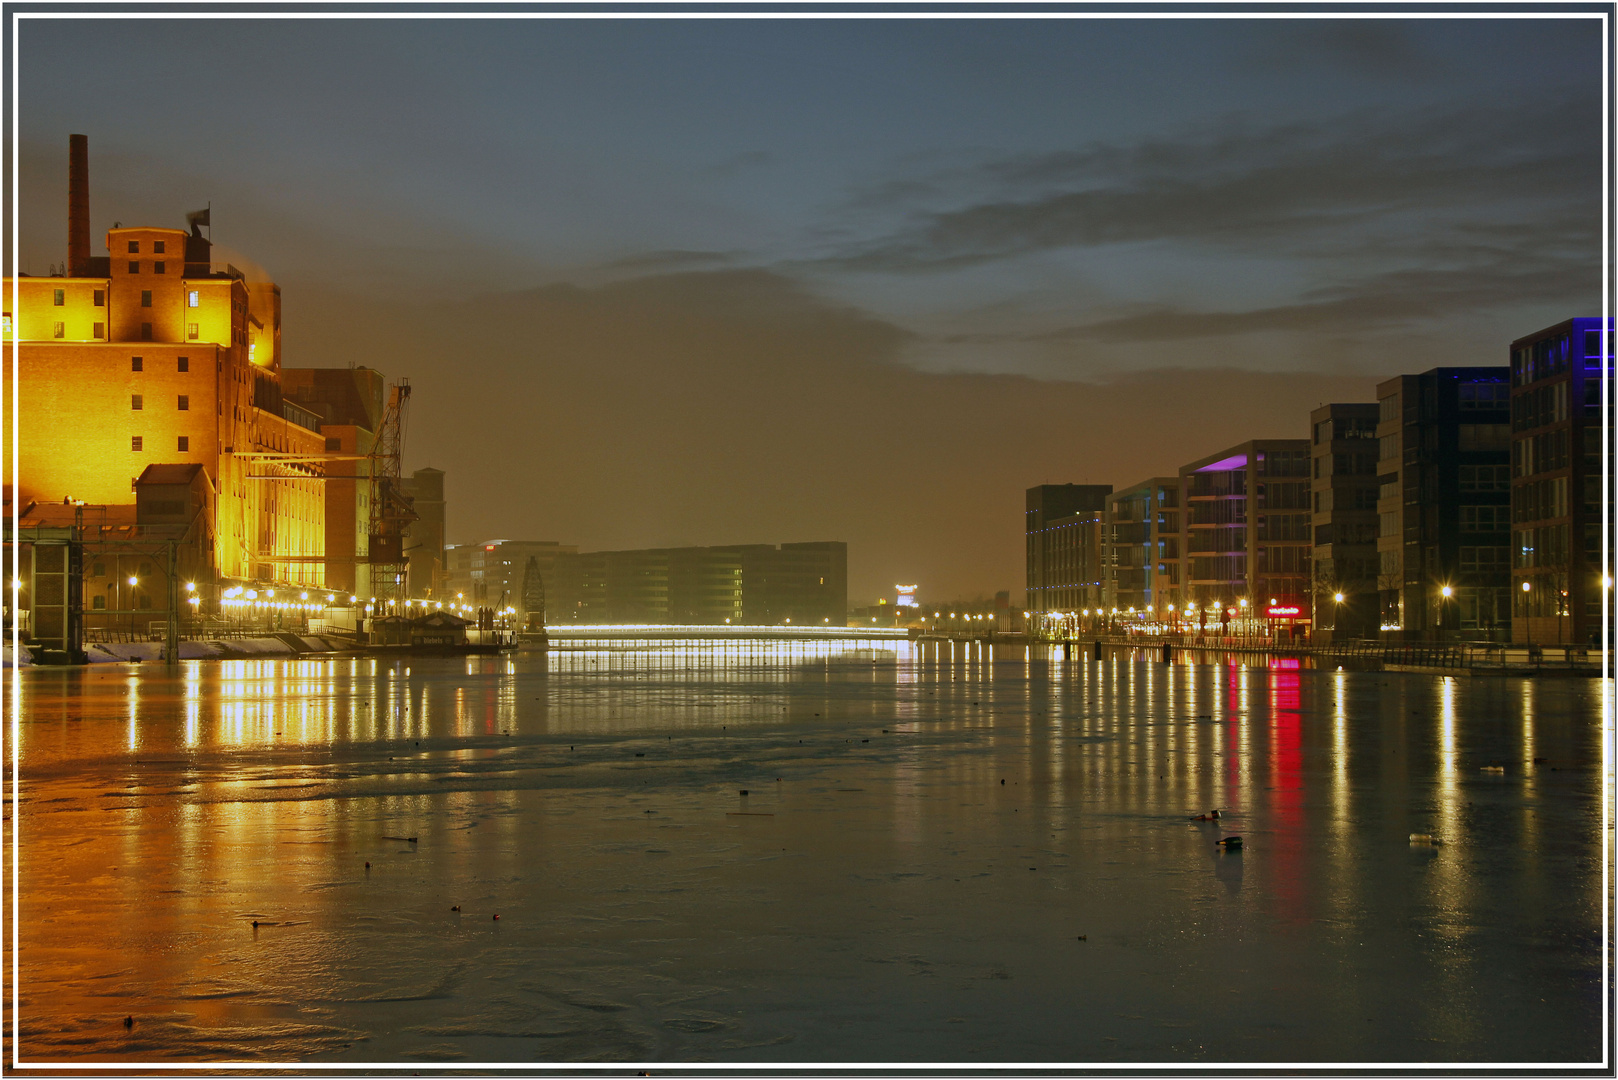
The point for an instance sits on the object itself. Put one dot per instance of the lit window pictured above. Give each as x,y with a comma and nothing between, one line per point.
7,322
185,403
191,330
185,444
137,363
100,298
134,267
146,298
59,330
157,248
191,298
184,363
136,402
61,298
251,348
159,267
134,247
134,442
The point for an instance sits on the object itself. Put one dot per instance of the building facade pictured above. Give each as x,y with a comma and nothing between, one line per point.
1247,531
755,584
1444,504
491,574
1343,469
1143,546
424,545
1064,530
1561,458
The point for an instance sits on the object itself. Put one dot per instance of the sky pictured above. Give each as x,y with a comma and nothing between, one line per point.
664,282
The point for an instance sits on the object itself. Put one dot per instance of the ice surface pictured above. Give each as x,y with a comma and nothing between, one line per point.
879,895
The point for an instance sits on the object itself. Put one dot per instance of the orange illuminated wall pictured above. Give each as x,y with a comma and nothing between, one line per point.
148,366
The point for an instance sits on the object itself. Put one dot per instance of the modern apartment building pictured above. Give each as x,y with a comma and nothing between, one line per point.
1343,448
1444,503
758,584
1561,458
1064,527
1247,530
1143,546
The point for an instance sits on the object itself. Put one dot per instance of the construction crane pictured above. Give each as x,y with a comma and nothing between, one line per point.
391,509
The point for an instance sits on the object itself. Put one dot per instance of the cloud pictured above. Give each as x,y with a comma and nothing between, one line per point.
1277,189
1393,300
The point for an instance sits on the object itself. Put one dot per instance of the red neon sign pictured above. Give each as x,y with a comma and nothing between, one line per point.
1283,611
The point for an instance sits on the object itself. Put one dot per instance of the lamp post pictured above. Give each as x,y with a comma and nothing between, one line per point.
1444,594
133,581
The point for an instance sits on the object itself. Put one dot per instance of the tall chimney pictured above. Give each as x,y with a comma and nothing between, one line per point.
78,205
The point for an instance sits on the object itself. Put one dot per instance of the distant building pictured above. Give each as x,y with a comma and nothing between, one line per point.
348,404
424,545
1064,546
1143,545
804,584
1344,471
1557,471
491,574
1444,503
1247,530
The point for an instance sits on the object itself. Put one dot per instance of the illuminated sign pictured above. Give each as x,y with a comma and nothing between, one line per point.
907,595
1283,611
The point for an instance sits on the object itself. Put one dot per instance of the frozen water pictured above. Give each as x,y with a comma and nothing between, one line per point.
975,862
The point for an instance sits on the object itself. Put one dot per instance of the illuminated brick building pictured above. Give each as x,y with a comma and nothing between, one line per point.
152,355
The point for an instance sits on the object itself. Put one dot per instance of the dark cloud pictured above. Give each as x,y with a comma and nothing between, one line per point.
1278,189
1374,49
1394,300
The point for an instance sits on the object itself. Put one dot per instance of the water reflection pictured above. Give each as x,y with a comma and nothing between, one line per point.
928,831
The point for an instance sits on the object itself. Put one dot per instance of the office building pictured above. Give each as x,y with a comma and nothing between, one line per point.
1343,450
1444,503
1143,546
1063,529
1560,460
1246,530
756,584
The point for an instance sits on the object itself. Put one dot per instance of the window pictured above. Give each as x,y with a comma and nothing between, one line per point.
7,323
185,403
251,349
1481,395
146,331
60,298
134,247
159,266
333,445
1484,518
185,443
1475,438
59,330
1483,560
1388,445
191,331
98,570
98,602
98,330
100,298
191,298
157,247
146,298
137,363
136,402
1485,478
1388,408
145,602
183,363
134,267
134,442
